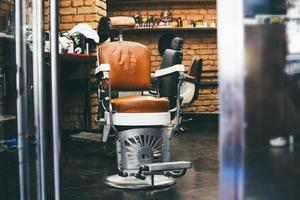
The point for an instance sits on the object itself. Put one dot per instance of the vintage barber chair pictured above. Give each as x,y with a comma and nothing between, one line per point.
167,85
141,124
110,28
190,87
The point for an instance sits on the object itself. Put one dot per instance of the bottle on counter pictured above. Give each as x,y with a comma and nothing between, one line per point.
192,24
198,24
180,24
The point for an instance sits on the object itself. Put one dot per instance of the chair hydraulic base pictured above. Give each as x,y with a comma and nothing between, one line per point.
131,182
150,176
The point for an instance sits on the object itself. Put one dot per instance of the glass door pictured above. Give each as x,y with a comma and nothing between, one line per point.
22,99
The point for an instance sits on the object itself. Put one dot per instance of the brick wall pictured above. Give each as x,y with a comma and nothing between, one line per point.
197,44
72,12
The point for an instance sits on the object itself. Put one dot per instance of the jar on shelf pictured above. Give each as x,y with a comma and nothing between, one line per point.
213,24
201,23
180,23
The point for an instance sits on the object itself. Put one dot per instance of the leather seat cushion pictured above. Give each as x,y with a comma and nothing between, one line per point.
140,104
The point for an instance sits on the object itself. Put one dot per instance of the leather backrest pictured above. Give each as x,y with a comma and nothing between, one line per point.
171,57
177,43
104,27
130,65
168,84
195,70
164,42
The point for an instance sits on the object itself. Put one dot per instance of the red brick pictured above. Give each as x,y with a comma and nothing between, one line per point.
89,2
77,3
212,17
65,3
202,11
78,18
67,11
66,18
204,52
101,4
90,18
67,26
87,10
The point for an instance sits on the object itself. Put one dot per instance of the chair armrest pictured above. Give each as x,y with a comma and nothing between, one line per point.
168,70
189,79
153,79
102,68
102,71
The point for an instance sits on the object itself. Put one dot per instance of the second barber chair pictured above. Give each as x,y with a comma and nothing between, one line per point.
141,124
189,87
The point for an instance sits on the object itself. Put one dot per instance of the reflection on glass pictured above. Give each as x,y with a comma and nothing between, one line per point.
293,27
264,7
7,17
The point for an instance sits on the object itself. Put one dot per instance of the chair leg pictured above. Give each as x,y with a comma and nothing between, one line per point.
106,130
108,148
181,128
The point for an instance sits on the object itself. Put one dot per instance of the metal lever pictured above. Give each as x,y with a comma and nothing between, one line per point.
176,173
174,169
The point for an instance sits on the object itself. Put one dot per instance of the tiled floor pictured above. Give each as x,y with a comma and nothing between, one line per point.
271,173
84,169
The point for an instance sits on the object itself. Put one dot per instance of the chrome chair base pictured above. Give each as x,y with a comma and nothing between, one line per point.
131,182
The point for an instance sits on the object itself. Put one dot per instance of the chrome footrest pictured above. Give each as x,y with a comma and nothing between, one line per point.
174,169
166,166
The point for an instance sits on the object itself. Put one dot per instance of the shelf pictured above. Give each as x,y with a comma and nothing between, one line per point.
138,30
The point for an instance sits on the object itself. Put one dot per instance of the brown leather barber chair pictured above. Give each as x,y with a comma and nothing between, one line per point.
190,86
141,124
110,29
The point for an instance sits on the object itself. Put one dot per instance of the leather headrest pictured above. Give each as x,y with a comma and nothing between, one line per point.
122,22
104,28
177,43
164,42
